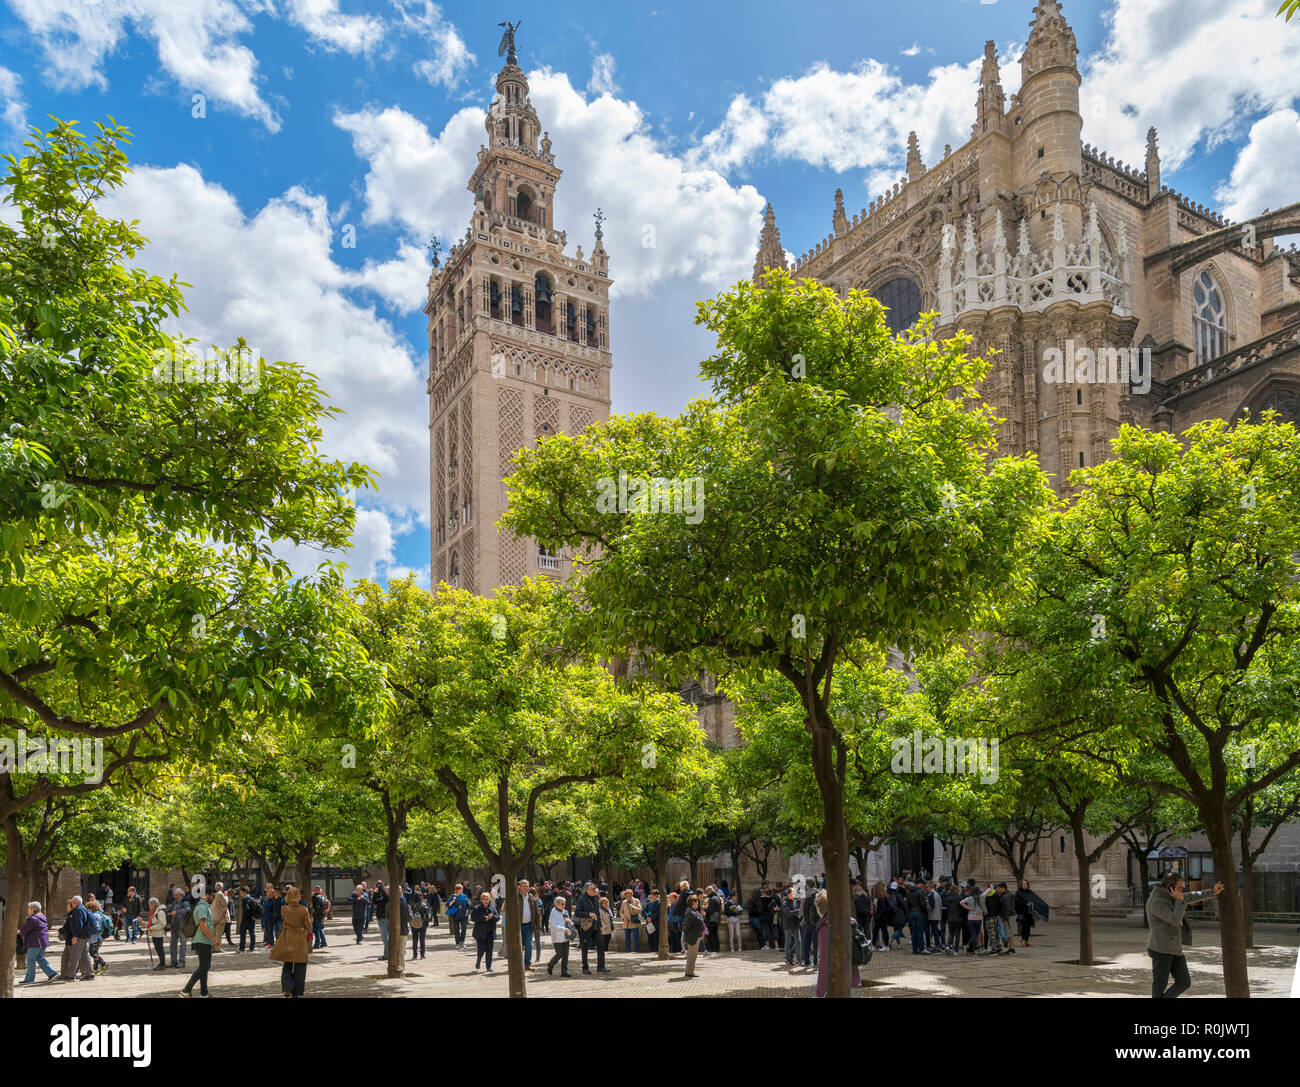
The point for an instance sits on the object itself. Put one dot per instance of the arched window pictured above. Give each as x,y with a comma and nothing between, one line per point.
542,303
902,297
1209,317
524,205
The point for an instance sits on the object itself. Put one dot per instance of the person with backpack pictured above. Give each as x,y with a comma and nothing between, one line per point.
177,910
248,910
692,932
197,925
318,907
808,928
102,926
419,924
860,942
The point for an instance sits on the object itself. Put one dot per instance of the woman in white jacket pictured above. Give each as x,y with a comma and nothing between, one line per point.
562,931
156,930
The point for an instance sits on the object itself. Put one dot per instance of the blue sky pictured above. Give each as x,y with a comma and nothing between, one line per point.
323,115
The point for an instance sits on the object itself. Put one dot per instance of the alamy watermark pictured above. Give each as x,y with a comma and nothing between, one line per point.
82,758
642,495
1106,365
234,365
920,754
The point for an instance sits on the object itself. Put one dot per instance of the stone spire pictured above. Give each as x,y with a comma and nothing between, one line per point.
839,221
771,253
990,104
915,167
1153,164
1051,41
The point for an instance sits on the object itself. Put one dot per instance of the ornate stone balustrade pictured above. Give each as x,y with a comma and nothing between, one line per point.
1032,280
1266,347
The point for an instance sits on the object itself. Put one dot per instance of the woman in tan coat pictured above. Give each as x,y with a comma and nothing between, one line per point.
293,945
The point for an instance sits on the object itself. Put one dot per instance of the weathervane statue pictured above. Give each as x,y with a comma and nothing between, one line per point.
507,46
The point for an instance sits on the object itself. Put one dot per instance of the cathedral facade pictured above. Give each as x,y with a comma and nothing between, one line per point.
1040,246
1048,252
518,347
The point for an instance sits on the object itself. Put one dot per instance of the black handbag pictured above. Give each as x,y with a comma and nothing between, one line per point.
1186,931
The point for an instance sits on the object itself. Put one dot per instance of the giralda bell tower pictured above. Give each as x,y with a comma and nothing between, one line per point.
518,345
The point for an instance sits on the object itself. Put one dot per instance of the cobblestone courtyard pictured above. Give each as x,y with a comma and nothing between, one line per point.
348,970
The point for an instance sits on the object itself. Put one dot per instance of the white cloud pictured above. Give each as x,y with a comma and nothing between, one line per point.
1264,175
912,50
195,42
272,278
451,58
326,24
602,75
1195,69
13,107
850,120
680,218
199,47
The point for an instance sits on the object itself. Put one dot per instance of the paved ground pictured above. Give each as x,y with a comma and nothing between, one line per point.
346,969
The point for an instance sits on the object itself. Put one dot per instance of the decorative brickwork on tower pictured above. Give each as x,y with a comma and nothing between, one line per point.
519,346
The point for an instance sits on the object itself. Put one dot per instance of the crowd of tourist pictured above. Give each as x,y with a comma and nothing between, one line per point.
786,917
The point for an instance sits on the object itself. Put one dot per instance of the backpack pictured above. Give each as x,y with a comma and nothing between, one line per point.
254,907
859,943
189,927
105,924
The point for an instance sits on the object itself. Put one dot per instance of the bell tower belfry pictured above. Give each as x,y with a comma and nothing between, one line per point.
519,345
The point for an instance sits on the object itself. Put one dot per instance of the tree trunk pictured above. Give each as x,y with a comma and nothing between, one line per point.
302,861
661,866
1236,978
1145,883
834,840
15,910
1085,899
393,860
860,855
1247,881
736,891
514,921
